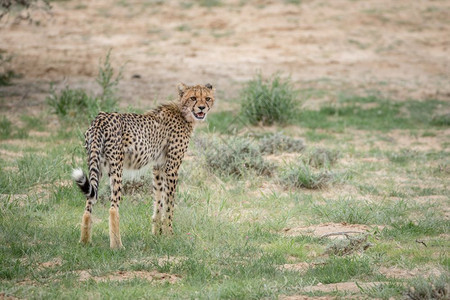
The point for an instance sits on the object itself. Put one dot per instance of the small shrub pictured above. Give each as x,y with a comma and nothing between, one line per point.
108,83
6,74
234,157
72,104
352,244
278,142
9,6
301,176
321,157
5,77
436,287
269,101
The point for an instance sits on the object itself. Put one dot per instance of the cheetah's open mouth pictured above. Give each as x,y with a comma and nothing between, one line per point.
200,115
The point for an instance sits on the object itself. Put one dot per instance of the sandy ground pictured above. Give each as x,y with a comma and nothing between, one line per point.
400,48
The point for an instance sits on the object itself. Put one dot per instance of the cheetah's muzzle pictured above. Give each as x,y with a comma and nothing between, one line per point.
200,115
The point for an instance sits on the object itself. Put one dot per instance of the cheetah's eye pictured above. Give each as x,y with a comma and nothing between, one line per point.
194,98
208,99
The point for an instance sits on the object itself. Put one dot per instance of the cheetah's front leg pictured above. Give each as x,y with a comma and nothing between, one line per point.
169,200
158,189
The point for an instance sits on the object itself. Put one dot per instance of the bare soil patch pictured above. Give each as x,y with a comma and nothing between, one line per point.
56,262
327,228
10,155
4,296
19,199
26,143
347,287
302,297
152,276
298,267
268,188
351,287
396,272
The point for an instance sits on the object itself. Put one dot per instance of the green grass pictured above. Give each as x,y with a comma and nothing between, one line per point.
10,131
386,291
209,3
372,113
341,269
225,122
234,203
356,211
428,225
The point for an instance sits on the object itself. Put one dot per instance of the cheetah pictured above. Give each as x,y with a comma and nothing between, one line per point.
118,141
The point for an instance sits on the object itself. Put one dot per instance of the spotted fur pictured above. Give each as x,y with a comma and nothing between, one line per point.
118,141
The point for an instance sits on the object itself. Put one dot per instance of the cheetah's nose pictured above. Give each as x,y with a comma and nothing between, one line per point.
201,107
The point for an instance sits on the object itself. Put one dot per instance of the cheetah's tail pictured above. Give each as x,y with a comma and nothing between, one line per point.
83,183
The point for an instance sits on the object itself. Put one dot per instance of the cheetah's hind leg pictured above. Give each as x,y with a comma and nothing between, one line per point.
114,233
115,178
86,228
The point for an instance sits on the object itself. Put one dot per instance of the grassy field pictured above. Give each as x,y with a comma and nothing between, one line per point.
251,203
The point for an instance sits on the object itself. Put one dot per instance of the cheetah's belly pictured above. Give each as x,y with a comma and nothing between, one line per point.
135,159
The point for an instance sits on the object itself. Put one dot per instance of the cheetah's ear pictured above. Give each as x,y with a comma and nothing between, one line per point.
181,89
209,86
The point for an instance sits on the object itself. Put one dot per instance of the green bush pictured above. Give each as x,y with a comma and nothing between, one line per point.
5,73
18,5
74,104
269,101
278,142
235,156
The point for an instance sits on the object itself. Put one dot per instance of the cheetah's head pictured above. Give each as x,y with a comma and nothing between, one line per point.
196,101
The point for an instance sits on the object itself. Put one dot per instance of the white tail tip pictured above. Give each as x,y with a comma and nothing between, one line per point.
78,175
